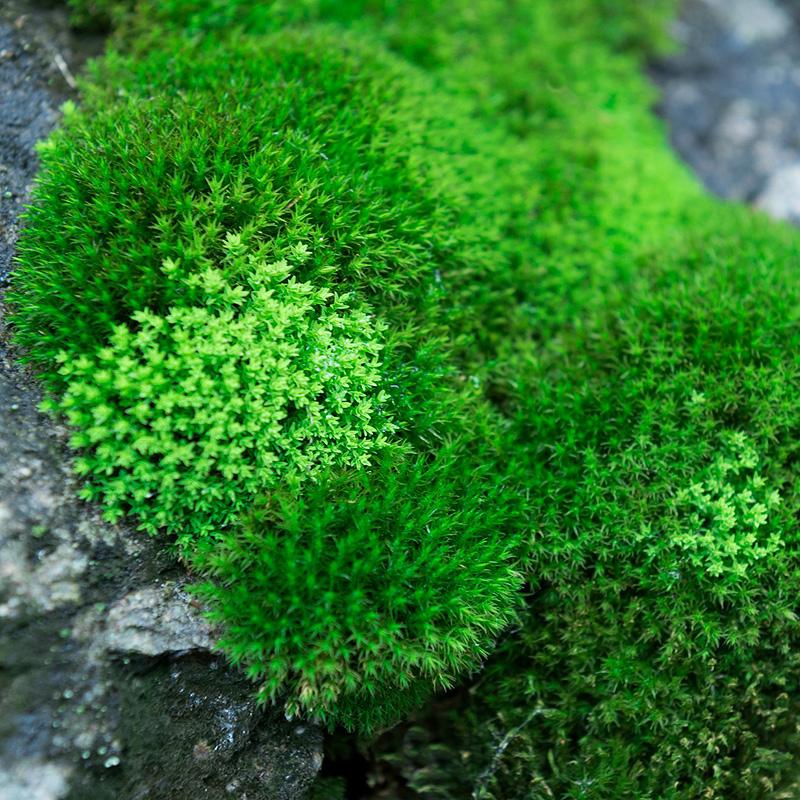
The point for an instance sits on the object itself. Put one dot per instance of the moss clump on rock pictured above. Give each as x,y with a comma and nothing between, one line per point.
653,411
575,370
382,584
254,274
203,407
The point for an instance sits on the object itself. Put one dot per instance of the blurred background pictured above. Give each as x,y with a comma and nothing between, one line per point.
731,97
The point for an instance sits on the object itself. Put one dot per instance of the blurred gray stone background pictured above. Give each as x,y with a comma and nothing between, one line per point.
731,98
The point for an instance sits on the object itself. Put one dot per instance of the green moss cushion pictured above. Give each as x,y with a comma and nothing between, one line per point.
559,367
255,270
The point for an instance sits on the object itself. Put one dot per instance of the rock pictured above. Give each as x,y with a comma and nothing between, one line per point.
192,729
42,585
751,21
731,93
31,779
108,686
738,126
781,195
33,87
157,620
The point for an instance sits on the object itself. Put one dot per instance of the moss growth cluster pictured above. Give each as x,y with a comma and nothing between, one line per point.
560,366
265,291
177,406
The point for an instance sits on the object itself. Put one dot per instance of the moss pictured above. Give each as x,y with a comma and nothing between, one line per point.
569,347
657,657
277,297
662,639
366,591
206,406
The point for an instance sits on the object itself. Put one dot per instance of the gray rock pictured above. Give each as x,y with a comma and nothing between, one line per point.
31,779
157,620
751,21
38,58
780,198
731,93
108,684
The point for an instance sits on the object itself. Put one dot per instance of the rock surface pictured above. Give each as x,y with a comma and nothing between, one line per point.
780,197
731,98
157,620
109,687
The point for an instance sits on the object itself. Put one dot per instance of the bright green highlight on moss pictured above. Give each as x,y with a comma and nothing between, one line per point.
580,376
205,407
729,511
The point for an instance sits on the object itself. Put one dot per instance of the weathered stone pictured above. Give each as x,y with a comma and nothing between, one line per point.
781,196
731,92
751,21
156,621
31,779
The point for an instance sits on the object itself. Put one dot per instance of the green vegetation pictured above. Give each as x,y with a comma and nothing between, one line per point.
370,580
280,293
98,14
661,647
179,407
558,359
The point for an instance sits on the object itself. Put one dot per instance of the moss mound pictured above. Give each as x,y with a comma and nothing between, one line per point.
249,277
556,361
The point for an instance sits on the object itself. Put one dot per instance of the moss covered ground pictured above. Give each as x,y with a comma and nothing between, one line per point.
404,323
